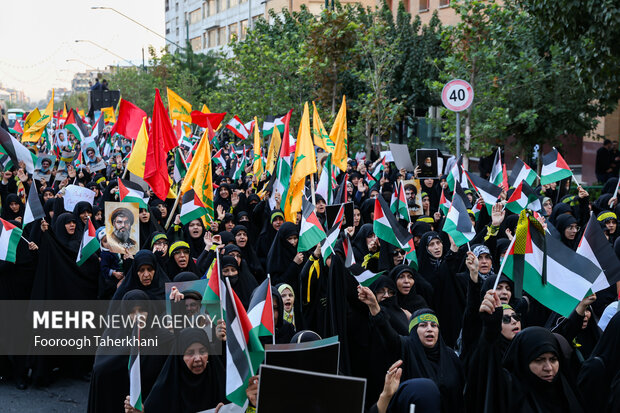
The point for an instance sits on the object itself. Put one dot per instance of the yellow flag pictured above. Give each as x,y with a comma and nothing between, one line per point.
205,109
179,108
31,118
305,164
258,153
338,135
81,113
64,111
199,175
108,115
34,131
138,153
321,138
274,148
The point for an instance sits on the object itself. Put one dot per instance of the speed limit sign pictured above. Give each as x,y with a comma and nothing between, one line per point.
457,95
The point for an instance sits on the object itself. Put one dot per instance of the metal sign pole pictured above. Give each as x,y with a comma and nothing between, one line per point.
458,135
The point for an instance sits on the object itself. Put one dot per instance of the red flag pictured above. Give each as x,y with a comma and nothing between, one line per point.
18,127
161,128
129,120
200,118
155,166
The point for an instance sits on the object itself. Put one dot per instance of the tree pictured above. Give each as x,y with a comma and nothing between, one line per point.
524,86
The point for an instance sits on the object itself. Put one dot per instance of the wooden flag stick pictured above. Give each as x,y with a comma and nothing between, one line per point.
501,268
174,208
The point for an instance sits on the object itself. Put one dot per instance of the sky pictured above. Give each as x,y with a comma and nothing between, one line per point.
38,36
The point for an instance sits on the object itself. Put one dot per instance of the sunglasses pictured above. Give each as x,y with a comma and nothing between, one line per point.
506,318
399,252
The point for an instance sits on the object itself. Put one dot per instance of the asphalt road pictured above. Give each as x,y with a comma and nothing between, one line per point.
64,395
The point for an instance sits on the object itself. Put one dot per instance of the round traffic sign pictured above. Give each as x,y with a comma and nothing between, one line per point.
457,95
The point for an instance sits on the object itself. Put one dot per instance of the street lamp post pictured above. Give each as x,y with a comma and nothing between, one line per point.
139,24
107,50
79,61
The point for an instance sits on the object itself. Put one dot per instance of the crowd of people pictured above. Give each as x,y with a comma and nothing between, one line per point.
447,339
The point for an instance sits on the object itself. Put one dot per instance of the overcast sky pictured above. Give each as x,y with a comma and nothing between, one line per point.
38,36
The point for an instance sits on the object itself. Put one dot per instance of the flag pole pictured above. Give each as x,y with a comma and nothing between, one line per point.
174,208
247,354
501,268
312,189
273,336
219,275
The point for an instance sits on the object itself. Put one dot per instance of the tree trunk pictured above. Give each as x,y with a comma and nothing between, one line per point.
368,145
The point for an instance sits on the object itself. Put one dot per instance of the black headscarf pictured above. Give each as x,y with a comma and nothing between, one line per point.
558,210
249,254
79,208
70,241
398,319
561,223
427,265
412,301
423,393
156,290
7,212
147,229
243,283
529,391
197,245
172,268
282,252
178,389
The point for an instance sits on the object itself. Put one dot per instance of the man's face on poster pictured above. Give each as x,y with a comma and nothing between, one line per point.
122,227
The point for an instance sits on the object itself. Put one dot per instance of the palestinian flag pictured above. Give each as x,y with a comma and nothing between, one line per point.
17,128
331,238
327,181
497,172
89,244
387,228
34,209
444,204
457,175
342,196
311,232
135,386
17,152
521,172
180,169
218,158
9,238
398,204
554,168
376,173
260,311
272,122
363,276
411,254
488,191
132,192
523,197
192,207
348,251
281,177
457,224
240,167
244,352
595,247
97,132
75,125
214,296
238,128
556,276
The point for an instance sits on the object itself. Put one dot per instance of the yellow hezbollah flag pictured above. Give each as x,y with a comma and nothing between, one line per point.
31,118
258,153
321,138
34,132
108,115
205,109
338,135
274,148
305,164
179,108
199,175
64,111
138,153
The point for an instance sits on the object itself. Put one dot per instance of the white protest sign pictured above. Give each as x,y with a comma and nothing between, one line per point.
75,194
388,156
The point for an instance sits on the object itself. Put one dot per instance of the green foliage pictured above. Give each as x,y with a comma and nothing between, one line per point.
524,84
77,100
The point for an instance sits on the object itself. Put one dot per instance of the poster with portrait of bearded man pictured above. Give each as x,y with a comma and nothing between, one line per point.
122,227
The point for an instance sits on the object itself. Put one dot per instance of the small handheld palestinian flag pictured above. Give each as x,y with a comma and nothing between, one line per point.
488,191
523,197
458,224
331,238
444,203
410,253
260,311
34,209
132,192
595,247
348,251
9,238
311,232
241,164
376,173
363,276
497,172
398,204
135,385
387,228
180,169
218,158
215,294
192,207
521,172
457,175
89,244
554,168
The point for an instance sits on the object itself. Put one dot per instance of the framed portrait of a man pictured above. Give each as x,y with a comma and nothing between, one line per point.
122,227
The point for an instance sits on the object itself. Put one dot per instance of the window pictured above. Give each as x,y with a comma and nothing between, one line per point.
212,8
194,16
222,5
423,5
221,36
176,7
232,3
232,31
244,29
212,35
177,32
444,3
196,43
167,5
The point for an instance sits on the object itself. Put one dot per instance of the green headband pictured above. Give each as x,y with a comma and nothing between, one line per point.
607,215
275,215
423,318
157,238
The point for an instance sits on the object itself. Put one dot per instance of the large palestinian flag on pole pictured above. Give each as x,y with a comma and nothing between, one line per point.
548,270
75,125
17,152
595,247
